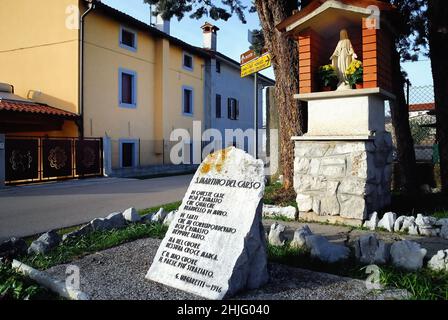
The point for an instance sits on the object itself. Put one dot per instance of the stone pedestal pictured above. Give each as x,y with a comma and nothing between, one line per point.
343,166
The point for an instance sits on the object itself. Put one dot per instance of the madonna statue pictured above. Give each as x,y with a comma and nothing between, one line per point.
341,59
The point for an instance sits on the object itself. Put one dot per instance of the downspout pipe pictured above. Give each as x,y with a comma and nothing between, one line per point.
90,8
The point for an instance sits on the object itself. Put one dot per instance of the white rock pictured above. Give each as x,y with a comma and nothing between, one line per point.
370,250
372,223
45,243
84,230
413,229
425,222
407,255
131,215
398,225
388,221
300,236
276,235
101,224
442,222
407,223
169,217
116,220
230,238
159,216
439,262
270,211
427,226
444,232
320,248
429,232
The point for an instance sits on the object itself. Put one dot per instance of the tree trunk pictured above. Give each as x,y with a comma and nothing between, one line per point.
438,48
400,121
284,53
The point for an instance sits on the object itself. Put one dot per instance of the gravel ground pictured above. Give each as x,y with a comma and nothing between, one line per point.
118,274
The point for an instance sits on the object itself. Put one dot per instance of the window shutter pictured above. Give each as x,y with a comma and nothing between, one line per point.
218,106
126,88
237,109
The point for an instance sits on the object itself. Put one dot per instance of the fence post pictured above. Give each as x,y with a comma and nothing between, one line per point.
2,160
107,156
408,86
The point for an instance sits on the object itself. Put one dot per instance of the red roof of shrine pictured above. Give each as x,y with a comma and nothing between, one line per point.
317,3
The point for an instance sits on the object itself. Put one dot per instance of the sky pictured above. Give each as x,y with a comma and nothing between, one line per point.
232,36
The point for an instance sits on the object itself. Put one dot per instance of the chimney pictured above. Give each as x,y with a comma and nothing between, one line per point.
209,35
162,25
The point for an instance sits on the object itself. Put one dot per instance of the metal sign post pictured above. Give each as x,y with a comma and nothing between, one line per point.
256,114
251,63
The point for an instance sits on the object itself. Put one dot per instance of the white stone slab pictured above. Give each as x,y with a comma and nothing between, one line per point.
346,116
216,244
307,137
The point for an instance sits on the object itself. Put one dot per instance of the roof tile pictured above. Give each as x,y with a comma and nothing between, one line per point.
20,106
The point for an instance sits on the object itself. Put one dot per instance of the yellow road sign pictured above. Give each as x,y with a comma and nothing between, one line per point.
256,65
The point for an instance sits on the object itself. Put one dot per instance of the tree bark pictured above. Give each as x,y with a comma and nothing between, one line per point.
284,53
438,48
400,121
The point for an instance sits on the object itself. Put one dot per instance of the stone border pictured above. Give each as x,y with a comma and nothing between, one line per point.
368,250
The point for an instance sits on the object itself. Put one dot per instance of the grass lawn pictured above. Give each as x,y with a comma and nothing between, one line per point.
94,242
422,285
167,207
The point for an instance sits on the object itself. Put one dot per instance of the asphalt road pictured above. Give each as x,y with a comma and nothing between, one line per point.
28,210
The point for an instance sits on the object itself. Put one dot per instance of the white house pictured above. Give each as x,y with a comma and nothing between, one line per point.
229,99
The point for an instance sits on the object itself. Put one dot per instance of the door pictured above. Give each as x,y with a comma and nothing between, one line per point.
127,154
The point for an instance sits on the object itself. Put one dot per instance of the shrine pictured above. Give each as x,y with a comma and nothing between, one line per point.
343,164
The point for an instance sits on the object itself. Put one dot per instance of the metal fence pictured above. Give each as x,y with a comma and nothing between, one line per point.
38,159
146,152
422,121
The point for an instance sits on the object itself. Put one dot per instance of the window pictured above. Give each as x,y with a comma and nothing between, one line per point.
187,101
233,112
218,66
218,106
188,61
127,88
128,39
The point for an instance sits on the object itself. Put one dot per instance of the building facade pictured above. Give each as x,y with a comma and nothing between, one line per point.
230,99
98,72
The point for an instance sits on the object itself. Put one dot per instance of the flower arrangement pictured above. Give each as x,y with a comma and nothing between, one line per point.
328,76
355,73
